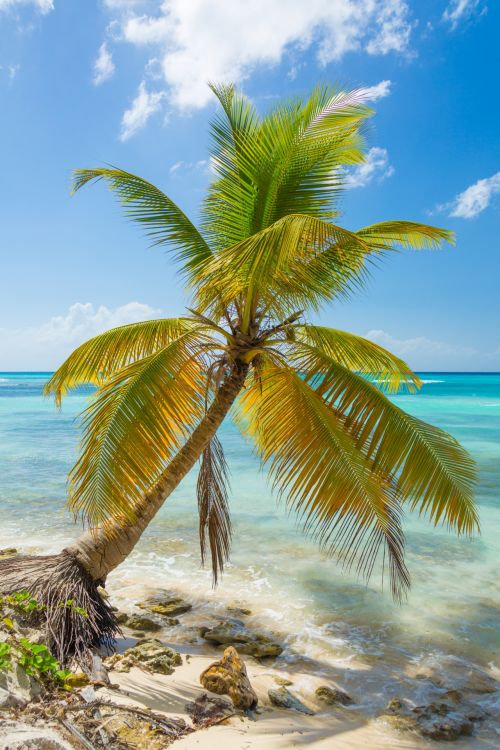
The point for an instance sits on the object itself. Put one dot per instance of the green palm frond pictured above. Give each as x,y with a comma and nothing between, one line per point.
99,357
136,422
162,220
315,463
406,234
297,262
434,474
355,353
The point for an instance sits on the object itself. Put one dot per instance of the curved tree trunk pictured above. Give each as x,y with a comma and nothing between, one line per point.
101,550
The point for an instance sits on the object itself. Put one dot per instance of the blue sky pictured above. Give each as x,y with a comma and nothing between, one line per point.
84,82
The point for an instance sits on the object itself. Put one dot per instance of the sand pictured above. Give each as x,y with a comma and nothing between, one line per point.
331,727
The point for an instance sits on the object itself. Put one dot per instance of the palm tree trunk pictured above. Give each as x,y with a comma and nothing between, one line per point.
101,550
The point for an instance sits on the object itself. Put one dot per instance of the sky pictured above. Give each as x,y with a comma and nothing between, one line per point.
88,82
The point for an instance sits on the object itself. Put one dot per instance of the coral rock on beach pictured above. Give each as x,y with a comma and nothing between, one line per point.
150,654
167,606
438,721
235,633
333,696
228,676
283,698
137,622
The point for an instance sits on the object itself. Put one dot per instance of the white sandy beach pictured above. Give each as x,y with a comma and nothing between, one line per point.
272,729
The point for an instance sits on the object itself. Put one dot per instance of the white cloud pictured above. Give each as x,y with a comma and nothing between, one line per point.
376,167
143,107
45,346
10,70
461,10
423,353
224,40
104,66
373,93
475,199
188,166
44,6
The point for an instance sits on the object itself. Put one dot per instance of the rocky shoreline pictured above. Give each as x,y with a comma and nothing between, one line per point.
224,688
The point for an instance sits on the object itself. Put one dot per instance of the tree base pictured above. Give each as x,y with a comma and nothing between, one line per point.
77,619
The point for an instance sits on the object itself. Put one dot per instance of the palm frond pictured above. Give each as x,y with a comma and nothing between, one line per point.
134,425
101,356
352,509
296,263
387,235
213,508
162,220
355,353
434,474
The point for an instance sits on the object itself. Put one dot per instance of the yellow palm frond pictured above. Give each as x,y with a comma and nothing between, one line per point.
434,474
406,234
136,422
325,477
101,356
356,353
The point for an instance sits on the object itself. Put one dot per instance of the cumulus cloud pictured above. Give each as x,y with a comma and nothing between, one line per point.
104,66
144,105
376,167
379,91
44,6
223,40
423,353
475,199
45,346
461,10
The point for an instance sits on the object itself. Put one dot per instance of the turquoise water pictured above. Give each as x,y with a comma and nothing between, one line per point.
325,618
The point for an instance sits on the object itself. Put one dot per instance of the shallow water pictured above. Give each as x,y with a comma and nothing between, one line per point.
330,620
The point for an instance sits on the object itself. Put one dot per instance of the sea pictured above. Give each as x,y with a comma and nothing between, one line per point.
329,622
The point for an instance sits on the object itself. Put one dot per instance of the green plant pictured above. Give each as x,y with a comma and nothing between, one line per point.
22,601
5,657
37,661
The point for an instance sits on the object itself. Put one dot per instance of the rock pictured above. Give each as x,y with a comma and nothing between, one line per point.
438,721
17,688
239,611
16,735
282,681
228,676
77,679
333,696
8,552
453,673
138,622
235,633
138,732
207,710
283,698
167,606
150,654
121,617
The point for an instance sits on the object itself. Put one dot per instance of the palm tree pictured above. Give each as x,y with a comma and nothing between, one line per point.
268,255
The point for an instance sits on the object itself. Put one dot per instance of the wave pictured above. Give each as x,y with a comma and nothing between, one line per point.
432,381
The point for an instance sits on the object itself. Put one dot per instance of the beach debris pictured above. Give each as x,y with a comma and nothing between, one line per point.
437,720
210,709
282,698
228,676
167,606
453,673
149,654
138,622
77,679
333,696
234,632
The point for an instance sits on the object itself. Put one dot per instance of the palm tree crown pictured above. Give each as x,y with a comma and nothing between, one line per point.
313,399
